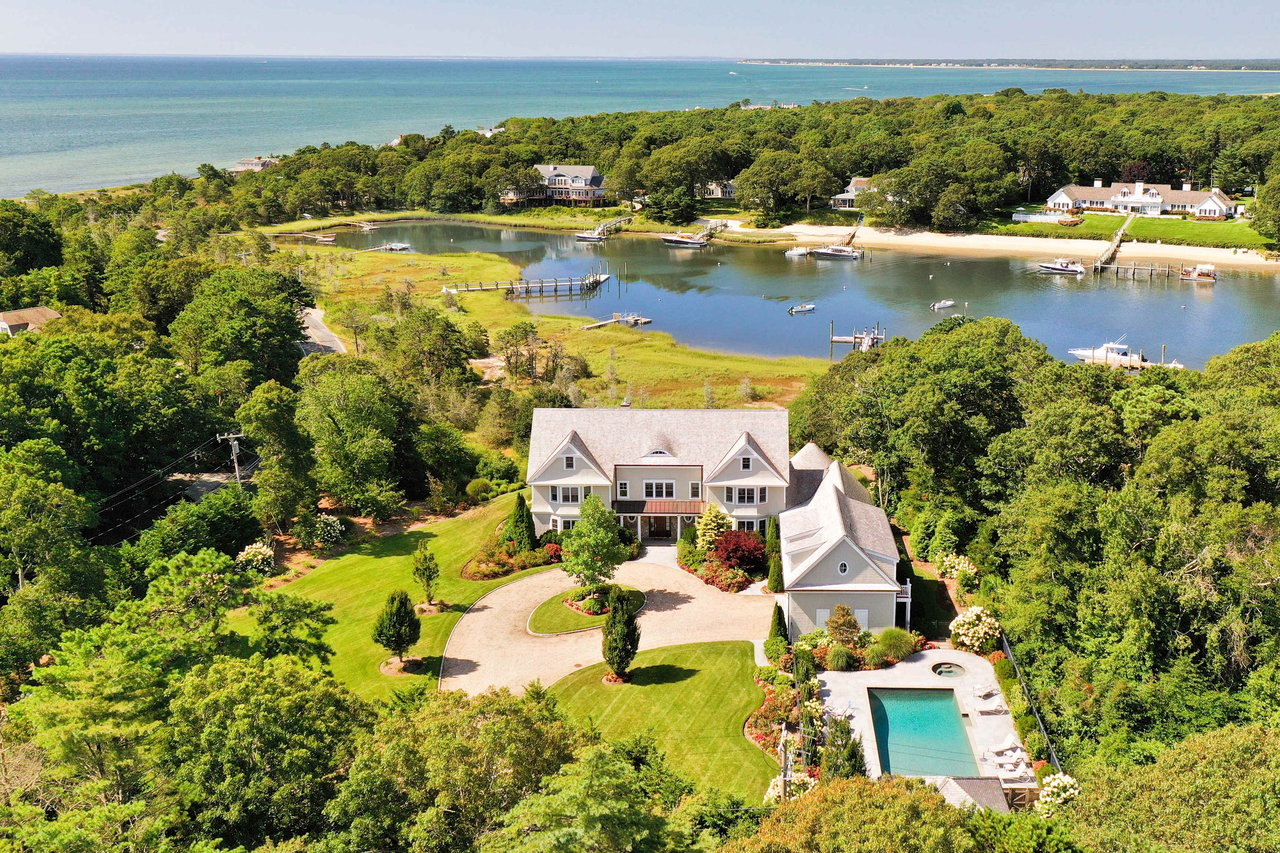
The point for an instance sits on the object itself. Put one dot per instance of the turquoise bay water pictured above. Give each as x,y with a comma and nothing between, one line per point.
735,298
79,122
920,733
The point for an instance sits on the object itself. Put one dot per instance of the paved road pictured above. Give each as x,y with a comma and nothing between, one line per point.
491,646
319,338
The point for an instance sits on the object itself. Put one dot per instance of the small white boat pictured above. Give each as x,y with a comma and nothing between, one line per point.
1202,273
797,252
942,303
806,308
399,247
1063,266
589,237
840,252
684,241
326,238
1118,354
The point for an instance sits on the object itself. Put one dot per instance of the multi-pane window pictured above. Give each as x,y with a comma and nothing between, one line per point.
569,463
695,491
746,495
746,463
566,494
624,490
748,525
659,489
567,523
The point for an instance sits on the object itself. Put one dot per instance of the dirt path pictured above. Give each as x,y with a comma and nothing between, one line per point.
490,646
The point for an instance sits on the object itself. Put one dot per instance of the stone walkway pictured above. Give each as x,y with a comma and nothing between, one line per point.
491,646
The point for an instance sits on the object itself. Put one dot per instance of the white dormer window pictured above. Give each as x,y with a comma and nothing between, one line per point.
843,568
569,462
746,463
657,452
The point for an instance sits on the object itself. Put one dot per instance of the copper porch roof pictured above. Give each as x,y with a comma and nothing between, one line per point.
659,507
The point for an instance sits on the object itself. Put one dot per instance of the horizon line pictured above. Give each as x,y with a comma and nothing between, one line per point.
588,57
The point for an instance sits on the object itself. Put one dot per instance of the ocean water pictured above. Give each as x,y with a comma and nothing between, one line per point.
79,122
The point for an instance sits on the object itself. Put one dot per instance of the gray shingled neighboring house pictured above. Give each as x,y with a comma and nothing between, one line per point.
581,186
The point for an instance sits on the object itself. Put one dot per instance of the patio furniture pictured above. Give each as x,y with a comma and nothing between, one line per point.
1011,744
985,691
995,705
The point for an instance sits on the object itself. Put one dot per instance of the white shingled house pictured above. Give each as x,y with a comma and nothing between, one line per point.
659,468
1144,199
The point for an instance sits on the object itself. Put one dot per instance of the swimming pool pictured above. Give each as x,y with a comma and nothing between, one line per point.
920,733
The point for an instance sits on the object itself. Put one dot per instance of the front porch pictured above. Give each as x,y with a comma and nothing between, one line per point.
658,521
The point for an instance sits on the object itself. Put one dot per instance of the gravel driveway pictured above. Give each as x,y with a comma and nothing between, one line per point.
491,646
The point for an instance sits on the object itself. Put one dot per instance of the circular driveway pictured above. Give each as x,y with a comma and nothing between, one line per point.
491,646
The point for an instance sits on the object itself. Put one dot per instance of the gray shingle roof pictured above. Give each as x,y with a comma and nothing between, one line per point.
1076,192
690,436
587,173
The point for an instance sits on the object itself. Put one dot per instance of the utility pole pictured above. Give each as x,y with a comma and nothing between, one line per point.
234,438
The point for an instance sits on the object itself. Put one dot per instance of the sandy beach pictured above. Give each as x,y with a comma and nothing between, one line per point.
1004,245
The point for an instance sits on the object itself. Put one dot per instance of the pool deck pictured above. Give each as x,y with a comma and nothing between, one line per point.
843,691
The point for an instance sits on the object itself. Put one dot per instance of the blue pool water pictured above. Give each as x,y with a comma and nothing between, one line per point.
920,733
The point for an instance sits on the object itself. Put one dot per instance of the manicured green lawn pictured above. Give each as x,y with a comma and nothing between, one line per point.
358,583
1095,227
1228,235
553,616
694,700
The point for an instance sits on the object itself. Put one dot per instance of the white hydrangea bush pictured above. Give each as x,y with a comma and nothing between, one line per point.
975,630
258,557
813,640
1056,791
955,565
797,786
329,529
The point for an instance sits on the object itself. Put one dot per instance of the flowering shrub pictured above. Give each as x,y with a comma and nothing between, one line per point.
798,785
975,630
329,530
997,656
1057,791
813,640
954,565
722,577
258,558
553,552
767,721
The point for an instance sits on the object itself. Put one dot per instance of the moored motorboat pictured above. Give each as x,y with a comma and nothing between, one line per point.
589,237
399,247
806,308
1063,266
797,252
847,253
1202,273
942,303
685,241
326,238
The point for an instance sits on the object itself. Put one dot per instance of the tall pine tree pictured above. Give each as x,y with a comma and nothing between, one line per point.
519,527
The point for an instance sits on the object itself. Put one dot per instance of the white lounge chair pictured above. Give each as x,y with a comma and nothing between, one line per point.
985,691
1011,744
995,705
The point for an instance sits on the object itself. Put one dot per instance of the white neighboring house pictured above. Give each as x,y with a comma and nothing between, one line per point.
659,468
719,189
837,548
849,198
253,164
1144,199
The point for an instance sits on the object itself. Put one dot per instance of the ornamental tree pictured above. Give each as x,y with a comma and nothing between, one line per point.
711,524
425,569
740,549
842,756
592,549
519,527
621,638
397,627
842,626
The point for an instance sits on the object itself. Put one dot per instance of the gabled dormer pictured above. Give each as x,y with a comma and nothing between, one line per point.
570,462
746,463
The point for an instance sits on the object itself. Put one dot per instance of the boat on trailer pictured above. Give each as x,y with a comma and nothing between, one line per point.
847,253
806,308
1063,266
685,241
1202,273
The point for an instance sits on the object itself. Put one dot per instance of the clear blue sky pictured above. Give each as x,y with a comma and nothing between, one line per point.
1103,29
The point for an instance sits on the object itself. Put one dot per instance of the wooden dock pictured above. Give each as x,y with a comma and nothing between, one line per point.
1135,270
631,320
604,229
385,247
1114,246
861,341
523,288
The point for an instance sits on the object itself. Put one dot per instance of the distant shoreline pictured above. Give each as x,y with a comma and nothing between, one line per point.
831,63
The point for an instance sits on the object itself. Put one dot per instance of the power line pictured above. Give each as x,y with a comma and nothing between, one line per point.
160,471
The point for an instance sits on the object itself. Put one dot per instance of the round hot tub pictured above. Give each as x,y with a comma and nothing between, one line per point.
946,669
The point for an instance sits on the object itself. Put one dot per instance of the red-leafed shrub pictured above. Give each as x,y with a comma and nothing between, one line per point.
741,550
553,551
722,577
